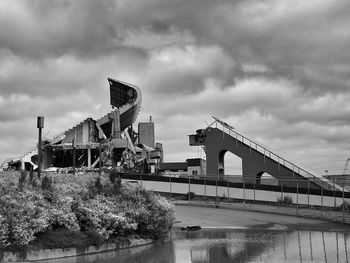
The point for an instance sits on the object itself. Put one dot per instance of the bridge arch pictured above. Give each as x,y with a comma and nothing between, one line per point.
265,178
229,164
258,177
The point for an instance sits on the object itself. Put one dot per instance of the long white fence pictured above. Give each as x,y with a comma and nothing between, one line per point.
241,193
321,200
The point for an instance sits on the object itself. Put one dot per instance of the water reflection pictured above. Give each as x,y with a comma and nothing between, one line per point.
261,246
214,246
158,252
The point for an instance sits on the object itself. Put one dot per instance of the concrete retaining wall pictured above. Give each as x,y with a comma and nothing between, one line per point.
44,254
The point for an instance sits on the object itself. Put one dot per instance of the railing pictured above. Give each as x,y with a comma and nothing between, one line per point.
5,161
22,155
277,158
266,180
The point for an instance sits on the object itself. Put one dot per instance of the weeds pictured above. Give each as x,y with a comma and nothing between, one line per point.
287,200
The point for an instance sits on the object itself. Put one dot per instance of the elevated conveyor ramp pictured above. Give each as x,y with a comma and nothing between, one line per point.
256,158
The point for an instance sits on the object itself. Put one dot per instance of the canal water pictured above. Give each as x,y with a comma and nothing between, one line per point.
233,245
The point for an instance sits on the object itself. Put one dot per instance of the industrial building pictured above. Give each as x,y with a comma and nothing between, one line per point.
194,168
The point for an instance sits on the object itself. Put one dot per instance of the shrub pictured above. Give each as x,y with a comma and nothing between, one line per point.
287,200
95,188
24,215
279,200
98,185
34,182
46,184
155,220
190,196
61,213
113,175
61,238
64,203
99,215
223,197
93,237
116,187
3,232
21,180
31,175
345,206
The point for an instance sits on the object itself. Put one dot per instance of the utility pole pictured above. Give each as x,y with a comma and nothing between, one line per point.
346,166
40,126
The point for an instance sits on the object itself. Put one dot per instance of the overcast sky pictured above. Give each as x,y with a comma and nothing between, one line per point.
277,70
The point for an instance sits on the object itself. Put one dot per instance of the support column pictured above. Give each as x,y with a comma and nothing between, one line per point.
116,134
74,151
212,160
89,157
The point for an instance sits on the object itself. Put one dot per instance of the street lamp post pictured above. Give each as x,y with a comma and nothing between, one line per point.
40,126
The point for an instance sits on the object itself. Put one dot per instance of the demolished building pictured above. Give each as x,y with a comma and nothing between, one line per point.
107,141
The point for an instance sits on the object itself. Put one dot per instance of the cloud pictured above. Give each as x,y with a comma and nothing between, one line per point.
66,75
277,70
184,70
84,29
292,41
258,94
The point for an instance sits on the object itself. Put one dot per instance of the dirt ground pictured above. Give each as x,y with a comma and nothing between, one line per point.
211,217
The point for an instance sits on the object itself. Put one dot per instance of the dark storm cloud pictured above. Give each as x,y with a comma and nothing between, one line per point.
286,39
67,75
277,69
298,42
293,43
42,29
303,41
306,42
93,28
